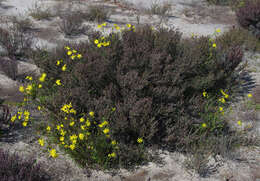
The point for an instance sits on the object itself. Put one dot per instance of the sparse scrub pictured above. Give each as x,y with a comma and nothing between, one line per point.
13,167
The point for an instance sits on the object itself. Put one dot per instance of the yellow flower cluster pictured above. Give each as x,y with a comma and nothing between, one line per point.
72,53
19,113
66,109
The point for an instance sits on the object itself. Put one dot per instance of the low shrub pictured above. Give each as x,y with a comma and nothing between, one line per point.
96,13
38,13
249,16
16,41
128,92
238,36
14,168
72,24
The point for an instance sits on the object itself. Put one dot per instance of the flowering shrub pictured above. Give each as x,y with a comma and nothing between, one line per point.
110,98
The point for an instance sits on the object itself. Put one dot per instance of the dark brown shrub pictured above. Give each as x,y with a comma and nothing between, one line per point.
72,24
15,41
249,16
14,168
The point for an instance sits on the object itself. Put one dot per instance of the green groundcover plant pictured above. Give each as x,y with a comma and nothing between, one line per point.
102,109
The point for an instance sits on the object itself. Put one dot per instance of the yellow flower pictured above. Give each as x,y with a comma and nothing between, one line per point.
204,125
113,142
249,95
58,82
21,89
113,109
73,111
29,87
81,136
204,94
28,77
69,52
72,123
96,41
53,153
239,123
79,55
73,137
39,108
73,57
99,26
104,24
68,48
41,142
13,118
139,140
25,99
222,100
91,114
63,68
40,85
81,120
24,123
74,51
106,131
218,30
82,127
48,128
62,132
128,25
61,138
42,78
88,123
58,127
220,108
58,62
99,45
214,45
113,154
101,125
72,147
105,123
